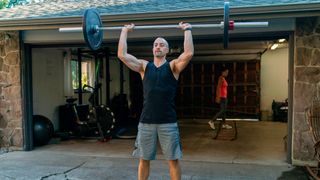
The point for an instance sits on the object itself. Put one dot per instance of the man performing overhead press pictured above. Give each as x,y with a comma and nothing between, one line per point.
158,118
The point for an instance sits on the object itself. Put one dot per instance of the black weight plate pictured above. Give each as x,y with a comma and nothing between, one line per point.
91,18
226,25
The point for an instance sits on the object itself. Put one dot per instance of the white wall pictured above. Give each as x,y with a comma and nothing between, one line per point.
115,78
274,77
47,80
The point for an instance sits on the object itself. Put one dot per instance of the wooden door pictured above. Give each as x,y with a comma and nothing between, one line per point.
197,88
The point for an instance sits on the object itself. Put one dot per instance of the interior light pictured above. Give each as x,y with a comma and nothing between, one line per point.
282,40
274,46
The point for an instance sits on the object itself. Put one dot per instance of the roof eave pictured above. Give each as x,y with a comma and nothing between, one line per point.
215,15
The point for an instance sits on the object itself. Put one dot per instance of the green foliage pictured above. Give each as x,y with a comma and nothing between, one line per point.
75,76
3,3
12,3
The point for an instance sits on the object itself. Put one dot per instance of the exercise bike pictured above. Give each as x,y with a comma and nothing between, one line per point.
82,121
100,114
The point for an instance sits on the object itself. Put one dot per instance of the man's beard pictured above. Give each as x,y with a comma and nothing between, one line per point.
159,54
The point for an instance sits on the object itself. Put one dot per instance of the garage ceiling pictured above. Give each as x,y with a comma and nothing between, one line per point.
244,50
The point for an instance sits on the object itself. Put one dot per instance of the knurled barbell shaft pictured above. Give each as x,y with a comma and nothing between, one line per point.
221,25
163,26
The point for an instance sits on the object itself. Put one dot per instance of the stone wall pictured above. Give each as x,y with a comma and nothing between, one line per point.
306,85
11,135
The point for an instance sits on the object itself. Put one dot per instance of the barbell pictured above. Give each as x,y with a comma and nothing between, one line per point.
93,30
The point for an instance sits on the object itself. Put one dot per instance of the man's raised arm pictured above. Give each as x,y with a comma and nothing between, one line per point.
129,60
184,59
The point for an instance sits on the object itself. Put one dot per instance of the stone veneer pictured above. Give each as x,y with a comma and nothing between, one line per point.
306,85
11,135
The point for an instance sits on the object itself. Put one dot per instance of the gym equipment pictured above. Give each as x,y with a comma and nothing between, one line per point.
226,26
93,30
42,130
91,120
93,38
120,107
73,118
224,133
126,127
280,111
82,120
100,114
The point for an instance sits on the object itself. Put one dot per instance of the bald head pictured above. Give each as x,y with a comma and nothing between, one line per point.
161,40
160,47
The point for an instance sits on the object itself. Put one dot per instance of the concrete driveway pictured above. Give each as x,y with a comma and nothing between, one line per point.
49,165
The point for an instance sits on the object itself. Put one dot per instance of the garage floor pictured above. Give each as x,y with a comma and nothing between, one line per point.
257,143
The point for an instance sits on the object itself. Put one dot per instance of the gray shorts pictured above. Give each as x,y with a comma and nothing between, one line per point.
146,142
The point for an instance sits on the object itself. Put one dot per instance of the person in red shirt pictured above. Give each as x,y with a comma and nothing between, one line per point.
222,99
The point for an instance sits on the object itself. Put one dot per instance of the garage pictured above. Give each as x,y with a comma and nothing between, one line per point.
250,64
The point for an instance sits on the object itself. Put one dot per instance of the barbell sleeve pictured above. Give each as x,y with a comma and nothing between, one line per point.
250,24
221,25
71,29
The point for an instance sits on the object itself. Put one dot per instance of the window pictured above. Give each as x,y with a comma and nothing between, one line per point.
87,73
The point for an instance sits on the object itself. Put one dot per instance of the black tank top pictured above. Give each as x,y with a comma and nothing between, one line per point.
159,91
